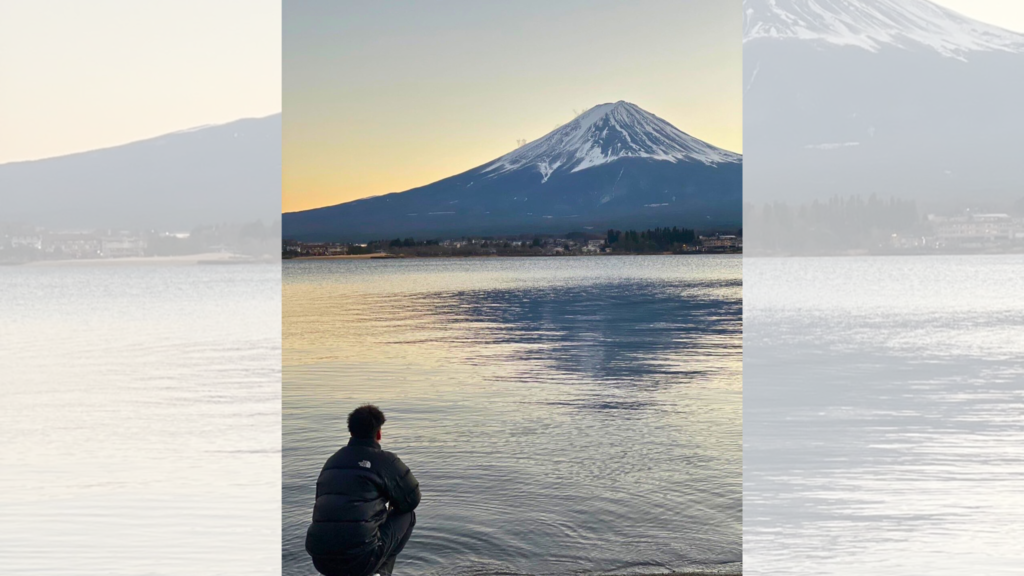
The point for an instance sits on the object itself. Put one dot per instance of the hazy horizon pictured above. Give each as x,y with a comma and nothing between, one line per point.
145,138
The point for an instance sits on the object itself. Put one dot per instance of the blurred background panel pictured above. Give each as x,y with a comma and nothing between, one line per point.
884,216
140,176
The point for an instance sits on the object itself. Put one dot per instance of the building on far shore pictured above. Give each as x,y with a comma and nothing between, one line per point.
721,241
122,246
292,248
975,229
74,245
27,241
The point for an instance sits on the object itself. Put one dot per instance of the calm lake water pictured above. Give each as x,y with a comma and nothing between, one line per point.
884,416
140,421
563,415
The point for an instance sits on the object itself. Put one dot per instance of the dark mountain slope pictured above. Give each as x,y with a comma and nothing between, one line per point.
224,173
893,97
613,166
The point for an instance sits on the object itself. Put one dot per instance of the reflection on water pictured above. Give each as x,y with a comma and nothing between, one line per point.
140,423
561,414
884,416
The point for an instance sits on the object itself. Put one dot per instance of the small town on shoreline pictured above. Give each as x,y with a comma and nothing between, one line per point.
656,241
874,226
251,241
778,233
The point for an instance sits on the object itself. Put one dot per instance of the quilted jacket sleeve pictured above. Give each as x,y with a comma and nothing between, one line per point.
403,488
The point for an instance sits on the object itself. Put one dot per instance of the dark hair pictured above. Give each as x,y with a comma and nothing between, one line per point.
365,421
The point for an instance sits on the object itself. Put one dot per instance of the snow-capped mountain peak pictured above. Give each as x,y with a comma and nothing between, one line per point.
872,24
606,133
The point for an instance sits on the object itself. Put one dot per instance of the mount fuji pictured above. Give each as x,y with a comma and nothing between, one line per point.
876,24
894,97
615,165
225,173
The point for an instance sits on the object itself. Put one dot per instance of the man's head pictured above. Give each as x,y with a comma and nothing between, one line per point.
365,422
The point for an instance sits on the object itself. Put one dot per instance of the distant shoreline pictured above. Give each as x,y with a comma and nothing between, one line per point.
210,258
884,254
347,257
461,256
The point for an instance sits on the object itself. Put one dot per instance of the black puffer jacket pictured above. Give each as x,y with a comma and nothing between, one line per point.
352,493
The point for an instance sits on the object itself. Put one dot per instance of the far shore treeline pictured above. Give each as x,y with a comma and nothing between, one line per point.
22,243
672,240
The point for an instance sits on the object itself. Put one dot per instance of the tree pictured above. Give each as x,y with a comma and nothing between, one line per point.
656,240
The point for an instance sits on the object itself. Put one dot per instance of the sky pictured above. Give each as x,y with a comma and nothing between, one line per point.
382,97
369,84
78,75
1008,14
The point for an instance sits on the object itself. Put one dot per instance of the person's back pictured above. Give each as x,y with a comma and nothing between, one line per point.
353,531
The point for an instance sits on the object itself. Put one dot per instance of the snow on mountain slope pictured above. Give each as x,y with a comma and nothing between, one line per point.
872,24
614,166
606,133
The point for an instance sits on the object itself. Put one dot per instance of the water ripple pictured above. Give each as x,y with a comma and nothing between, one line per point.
564,416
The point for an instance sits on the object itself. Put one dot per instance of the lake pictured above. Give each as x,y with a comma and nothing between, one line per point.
884,416
140,422
563,415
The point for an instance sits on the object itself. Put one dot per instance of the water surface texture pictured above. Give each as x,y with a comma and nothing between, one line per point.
563,415
140,420
884,416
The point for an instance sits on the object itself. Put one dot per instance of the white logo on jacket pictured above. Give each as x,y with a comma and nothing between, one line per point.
365,463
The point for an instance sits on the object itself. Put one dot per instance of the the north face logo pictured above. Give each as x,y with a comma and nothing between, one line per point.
365,463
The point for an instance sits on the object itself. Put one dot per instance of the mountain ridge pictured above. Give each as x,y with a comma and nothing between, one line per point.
573,145
872,24
934,122
601,168
228,172
160,137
